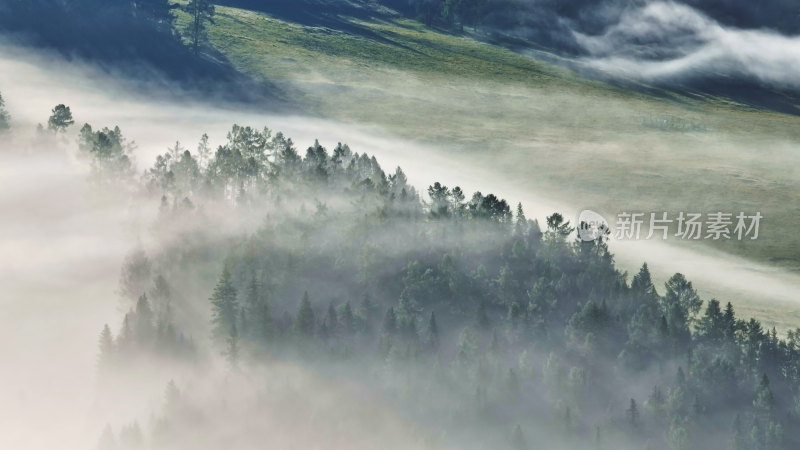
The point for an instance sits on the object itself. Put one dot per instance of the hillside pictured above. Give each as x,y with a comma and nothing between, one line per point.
648,151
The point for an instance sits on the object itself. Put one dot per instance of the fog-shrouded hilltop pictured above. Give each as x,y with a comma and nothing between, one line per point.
308,299
180,276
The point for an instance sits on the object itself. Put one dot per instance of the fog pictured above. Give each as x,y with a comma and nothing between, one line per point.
64,245
666,41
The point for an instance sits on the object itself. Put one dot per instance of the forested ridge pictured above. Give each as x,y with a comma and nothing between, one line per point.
490,327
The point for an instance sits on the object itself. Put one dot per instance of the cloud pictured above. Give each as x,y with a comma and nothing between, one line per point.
665,41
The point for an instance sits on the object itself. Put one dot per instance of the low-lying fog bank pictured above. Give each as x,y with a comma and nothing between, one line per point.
63,245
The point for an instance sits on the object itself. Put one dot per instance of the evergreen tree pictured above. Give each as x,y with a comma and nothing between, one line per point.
433,332
632,413
765,399
347,322
107,441
5,118
518,439
106,344
679,291
642,283
232,346
557,228
390,322
331,321
304,322
203,151
144,325
521,225
224,308
60,119
201,13
131,437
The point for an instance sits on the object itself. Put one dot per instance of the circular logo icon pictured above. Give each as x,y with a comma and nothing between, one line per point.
592,226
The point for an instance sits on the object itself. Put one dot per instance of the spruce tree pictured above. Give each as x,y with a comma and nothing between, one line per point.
144,324
107,441
224,309
632,413
106,344
518,439
305,322
433,332
346,320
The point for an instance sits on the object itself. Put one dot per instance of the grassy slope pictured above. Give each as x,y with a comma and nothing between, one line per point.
572,138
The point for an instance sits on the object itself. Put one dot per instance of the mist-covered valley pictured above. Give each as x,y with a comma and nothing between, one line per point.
261,295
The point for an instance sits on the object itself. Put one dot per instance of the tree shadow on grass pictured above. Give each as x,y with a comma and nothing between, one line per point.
132,49
332,14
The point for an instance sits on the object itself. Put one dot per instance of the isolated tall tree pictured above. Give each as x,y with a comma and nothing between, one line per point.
5,118
201,13
557,228
60,119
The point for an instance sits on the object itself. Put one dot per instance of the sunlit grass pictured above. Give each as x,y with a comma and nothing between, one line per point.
540,126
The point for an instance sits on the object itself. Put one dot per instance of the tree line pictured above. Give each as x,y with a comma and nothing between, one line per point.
519,325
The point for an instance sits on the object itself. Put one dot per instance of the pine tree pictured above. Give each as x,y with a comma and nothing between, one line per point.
224,308
680,291
390,322
557,228
433,332
764,400
106,344
518,439
201,13
5,118
203,151
331,321
642,283
521,225
262,321
232,346
305,322
172,398
107,441
60,119
130,436
143,325
632,413
347,322
126,336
